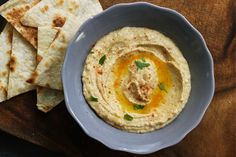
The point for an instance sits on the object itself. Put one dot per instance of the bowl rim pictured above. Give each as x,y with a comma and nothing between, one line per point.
194,123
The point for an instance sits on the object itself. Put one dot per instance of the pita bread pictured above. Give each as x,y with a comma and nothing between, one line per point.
5,52
48,71
22,65
50,13
46,36
47,98
13,10
88,8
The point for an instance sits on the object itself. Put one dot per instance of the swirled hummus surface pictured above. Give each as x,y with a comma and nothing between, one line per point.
136,79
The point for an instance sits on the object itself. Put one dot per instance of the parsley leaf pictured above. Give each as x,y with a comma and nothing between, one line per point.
162,87
102,60
128,117
138,107
92,98
141,65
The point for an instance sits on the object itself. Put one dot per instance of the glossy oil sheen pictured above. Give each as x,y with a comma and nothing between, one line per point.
121,70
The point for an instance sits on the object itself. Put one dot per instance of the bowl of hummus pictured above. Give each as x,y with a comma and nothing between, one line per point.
133,77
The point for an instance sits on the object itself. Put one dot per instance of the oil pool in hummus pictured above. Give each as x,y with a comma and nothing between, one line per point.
136,79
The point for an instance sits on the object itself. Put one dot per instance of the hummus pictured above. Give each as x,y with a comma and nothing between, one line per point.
136,79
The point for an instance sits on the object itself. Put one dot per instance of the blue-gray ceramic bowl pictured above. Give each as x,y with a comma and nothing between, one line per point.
173,25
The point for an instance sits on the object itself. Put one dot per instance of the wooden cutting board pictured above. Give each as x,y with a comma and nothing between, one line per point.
216,134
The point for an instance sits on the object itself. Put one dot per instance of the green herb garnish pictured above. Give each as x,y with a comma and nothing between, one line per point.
128,117
141,65
102,60
162,87
138,107
92,98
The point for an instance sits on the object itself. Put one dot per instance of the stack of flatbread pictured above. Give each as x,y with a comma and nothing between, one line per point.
33,45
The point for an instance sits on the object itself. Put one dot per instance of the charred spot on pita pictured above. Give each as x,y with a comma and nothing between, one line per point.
58,21
44,9
3,74
73,7
10,35
12,63
27,7
38,58
5,92
9,52
59,2
29,33
33,78
15,15
3,89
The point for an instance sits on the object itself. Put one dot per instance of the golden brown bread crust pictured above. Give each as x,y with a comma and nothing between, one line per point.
13,15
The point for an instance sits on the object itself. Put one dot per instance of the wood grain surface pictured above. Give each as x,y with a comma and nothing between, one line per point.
214,137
